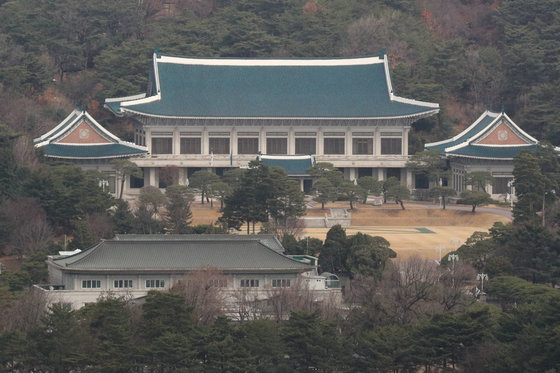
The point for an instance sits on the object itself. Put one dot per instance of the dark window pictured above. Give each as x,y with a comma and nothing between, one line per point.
89,284
391,146
247,145
280,283
276,146
421,181
123,283
219,145
218,283
362,146
394,172
333,146
249,283
365,171
137,182
501,185
305,146
155,283
162,145
190,145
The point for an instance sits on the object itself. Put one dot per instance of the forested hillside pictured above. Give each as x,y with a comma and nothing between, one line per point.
465,54
402,316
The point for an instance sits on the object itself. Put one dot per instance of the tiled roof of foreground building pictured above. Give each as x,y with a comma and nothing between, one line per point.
183,252
183,87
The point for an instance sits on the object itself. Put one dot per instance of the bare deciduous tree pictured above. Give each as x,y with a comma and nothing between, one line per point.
26,312
31,230
204,291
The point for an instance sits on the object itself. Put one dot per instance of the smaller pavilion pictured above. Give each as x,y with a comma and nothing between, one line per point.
296,167
489,144
80,139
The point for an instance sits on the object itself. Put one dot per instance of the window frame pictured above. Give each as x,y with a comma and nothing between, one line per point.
241,149
337,151
301,142
219,145
358,144
281,148
387,144
157,142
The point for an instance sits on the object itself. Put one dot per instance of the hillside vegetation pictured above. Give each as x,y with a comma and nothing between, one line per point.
465,54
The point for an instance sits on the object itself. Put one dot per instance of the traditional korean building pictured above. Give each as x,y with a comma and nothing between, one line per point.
132,265
218,113
489,144
81,140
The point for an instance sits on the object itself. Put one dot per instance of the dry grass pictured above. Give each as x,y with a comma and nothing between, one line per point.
388,215
394,224
204,214
422,217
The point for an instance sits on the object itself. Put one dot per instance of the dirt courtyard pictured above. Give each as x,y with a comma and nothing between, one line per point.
416,230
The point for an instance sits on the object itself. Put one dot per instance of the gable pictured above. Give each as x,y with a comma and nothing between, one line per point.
83,133
502,134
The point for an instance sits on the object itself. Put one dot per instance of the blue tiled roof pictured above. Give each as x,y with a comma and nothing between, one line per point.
290,89
90,151
295,166
487,118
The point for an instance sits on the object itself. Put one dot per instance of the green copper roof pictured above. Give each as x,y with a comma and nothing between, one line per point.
294,165
481,123
249,88
90,151
490,152
266,239
183,253
465,144
109,147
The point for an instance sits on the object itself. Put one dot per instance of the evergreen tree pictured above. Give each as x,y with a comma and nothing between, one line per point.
178,215
334,252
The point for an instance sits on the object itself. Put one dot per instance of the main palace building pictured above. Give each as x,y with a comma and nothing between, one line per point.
221,113
218,113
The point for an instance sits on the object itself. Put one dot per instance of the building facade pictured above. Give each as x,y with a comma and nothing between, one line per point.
215,114
489,144
80,139
132,265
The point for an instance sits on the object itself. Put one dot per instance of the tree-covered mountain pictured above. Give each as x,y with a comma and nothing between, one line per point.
465,54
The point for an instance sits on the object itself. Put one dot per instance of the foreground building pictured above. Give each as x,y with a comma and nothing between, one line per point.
218,113
489,144
80,139
132,265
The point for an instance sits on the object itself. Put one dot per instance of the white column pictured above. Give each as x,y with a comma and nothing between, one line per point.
377,142
409,179
149,139
320,141
262,141
176,149
152,177
233,141
405,141
291,141
205,143
348,142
